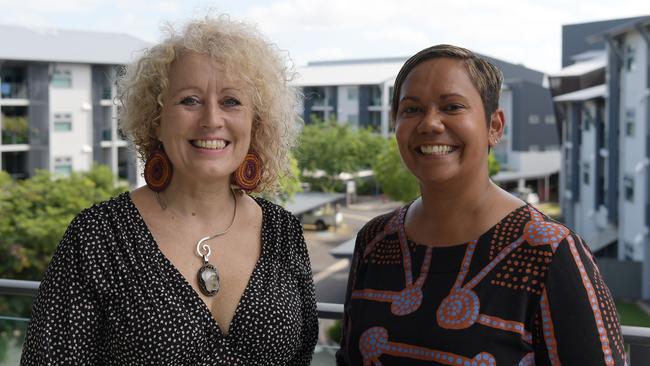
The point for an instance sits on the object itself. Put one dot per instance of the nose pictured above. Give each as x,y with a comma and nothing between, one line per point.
431,122
212,116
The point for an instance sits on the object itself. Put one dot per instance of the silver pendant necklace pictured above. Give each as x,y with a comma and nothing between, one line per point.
208,274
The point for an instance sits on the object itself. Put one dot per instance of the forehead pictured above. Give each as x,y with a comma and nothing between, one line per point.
443,75
200,69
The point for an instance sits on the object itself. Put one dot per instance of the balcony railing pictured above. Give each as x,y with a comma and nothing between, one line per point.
13,90
637,339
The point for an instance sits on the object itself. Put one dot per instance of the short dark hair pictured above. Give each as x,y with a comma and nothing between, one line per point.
486,77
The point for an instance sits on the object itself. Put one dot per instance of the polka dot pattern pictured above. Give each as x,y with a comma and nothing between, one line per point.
111,297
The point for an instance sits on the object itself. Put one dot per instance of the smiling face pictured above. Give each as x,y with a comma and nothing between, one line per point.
440,123
206,119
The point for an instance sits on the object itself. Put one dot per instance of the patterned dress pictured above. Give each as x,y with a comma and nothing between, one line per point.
110,297
527,292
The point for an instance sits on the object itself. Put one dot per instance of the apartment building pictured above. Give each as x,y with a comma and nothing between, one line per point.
358,92
57,101
604,117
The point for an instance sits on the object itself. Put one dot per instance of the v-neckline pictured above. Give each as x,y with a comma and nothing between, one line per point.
153,244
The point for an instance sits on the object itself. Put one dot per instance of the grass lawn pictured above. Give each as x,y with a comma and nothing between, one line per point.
631,314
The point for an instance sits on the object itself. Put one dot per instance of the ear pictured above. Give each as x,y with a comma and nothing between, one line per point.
496,127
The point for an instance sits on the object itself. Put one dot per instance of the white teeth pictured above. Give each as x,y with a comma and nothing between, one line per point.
435,149
209,144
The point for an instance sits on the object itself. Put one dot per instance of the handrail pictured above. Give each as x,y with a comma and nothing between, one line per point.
632,335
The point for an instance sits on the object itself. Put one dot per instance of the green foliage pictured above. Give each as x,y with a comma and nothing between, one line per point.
289,183
493,164
395,179
34,214
335,331
334,149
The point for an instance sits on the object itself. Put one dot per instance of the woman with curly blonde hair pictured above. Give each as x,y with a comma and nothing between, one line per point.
189,269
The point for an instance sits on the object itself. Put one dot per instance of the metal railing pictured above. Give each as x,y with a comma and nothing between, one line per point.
637,339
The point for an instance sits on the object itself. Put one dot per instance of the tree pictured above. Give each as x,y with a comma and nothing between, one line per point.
493,164
34,214
334,148
395,179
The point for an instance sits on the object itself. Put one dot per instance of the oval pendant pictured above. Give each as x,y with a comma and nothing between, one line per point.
208,277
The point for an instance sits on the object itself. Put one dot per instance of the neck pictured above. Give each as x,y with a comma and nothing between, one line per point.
210,205
454,210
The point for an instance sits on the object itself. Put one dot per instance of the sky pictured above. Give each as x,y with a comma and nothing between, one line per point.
525,32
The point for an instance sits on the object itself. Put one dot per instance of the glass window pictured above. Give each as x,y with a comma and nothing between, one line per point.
63,166
587,119
533,119
61,79
630,62
628,186
62,122
629,122
549,119
353,93
586,168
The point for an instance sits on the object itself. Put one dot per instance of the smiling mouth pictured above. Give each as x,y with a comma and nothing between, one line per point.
436,149
210,144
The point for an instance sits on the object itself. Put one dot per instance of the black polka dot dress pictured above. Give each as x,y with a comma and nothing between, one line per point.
111,297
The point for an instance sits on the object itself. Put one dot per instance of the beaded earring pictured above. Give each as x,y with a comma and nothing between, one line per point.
249,173
158,170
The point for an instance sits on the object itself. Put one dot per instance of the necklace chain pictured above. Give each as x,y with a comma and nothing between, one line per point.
203,250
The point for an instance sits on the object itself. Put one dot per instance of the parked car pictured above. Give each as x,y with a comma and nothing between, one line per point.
322,218
526,195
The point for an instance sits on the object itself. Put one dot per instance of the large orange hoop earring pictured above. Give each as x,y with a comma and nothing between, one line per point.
249,173
158,170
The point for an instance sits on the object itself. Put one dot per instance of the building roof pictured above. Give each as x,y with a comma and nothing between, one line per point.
307,201
582,68
598,91
380,70
56,45
628,25
350,73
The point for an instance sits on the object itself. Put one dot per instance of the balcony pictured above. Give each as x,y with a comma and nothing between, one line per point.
10,90
15,130
13,329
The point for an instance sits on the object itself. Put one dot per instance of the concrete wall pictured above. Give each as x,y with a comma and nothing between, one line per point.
77,101
633,160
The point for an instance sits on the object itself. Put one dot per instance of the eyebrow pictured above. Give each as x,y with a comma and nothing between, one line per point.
443,97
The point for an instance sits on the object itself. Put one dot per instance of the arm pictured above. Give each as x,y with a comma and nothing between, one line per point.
576,322
65,315
309,331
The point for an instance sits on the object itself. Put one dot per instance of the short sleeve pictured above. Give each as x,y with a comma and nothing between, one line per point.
64,328
576,321
309,329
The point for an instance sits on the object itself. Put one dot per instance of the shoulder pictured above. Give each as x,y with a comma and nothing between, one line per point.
275,213
387,223
97,224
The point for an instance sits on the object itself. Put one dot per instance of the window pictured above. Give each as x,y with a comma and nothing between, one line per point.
628,187
533,119
62,122
353,93
62,79
587,119
549,119
533,148
63,166
630,63
629,122
586,168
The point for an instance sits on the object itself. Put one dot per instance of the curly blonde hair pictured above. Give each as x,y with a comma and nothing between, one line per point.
241,50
